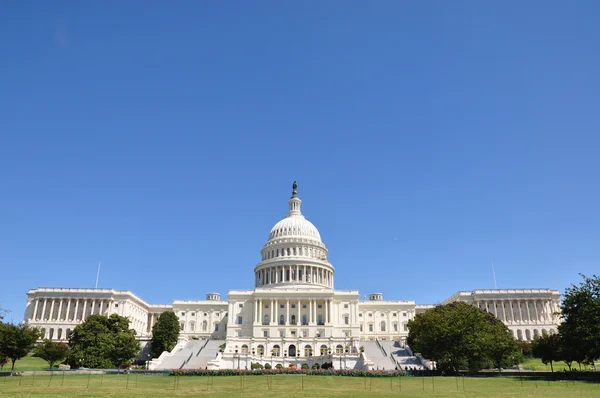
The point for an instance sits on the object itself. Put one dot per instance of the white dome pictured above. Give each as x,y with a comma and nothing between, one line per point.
296,226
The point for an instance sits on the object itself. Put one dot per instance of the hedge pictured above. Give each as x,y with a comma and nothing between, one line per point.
308,372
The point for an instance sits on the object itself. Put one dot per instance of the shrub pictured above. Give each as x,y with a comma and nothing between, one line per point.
304,366
316,366
256,365
267,366
279,366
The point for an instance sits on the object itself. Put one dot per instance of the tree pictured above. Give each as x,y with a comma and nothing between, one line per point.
51,352
3,312
580,310
103,342
459,335
165,333
547,347
17,341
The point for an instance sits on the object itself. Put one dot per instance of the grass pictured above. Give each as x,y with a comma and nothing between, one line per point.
536,364
288,386
27,363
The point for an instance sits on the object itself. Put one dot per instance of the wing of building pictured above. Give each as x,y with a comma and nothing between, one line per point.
292,314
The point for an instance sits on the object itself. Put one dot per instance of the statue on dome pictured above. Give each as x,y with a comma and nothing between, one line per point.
294,187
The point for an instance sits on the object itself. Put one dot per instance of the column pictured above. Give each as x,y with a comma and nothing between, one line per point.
503,312
487,307
276,274
310,322
101,307
76,310
512,311
299,313
50,315
304,273
287,312
272,313
60,306
327,312
315,312
84,310
549,314
260,305
68,314
528,313
537,315
35,309
255,311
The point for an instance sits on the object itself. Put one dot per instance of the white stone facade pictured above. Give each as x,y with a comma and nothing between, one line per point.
292,313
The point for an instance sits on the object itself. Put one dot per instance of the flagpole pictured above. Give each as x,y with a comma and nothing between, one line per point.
494,273
98,275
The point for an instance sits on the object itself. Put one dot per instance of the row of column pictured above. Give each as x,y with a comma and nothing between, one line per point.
65,309
528,311
274,312
294,273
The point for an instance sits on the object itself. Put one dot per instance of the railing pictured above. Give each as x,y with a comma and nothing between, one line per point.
381,347
201,348
187,360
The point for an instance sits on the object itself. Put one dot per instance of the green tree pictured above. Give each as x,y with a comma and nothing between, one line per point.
103,342
51,352
580,311
547,347
17,341
459,335
165,333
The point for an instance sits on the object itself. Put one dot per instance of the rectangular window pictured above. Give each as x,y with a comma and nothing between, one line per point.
370,327
183,314
193,314
345,305
238,333
346,320
182,326
265,333
116,305
404,314
282,333
370,314
303,305
395,327
394,314
293,332
241,305
239,320
305,333
346,333
266,305
216,327
406,327
281,306
293,305
319,305
360,315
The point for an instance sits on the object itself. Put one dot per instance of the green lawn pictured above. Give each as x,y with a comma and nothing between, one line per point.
537,364
27,363
288,386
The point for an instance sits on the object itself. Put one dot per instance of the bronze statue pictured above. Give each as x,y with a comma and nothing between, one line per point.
294,187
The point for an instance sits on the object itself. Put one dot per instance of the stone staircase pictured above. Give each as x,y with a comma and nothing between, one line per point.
205,353
377,354
403,356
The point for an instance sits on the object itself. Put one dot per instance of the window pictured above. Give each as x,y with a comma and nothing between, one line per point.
360,315
265,333
404,314
183,314
345,305
319,305
293,305
370,314
339,349
395,327
116,305
282,333
305,333
346,320
204,326
304,320
217,314
346,333
266,305
293,319
281,320
238,333
260,350
193,314
406,327
266,320
216,327
303,305
293,332
205,314
361,327
240,320
394,314
382,325
370,327
281,306
382,314
182,326
240,305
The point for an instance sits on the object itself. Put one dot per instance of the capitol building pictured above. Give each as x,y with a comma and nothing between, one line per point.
292,315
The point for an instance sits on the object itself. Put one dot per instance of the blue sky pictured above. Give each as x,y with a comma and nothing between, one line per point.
428,139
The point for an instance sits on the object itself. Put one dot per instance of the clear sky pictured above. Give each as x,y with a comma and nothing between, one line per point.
428,139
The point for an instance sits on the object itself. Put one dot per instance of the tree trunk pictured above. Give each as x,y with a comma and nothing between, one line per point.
551,367
12,368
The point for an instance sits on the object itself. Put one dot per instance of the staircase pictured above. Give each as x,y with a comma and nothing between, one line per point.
377,354
403,356
205,353
180,355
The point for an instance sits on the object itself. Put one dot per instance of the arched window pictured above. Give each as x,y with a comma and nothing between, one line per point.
266,320
320,319
361,327
59,334
51,333
260,350
182,326
383,326
339,349
304,320
216,327
519,334
307,350
68,334
288,251
293,319
275,350
527,334
281,320
323,349
244,349
204,326
536,333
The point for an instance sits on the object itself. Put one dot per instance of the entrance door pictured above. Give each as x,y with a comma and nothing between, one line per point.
292,351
